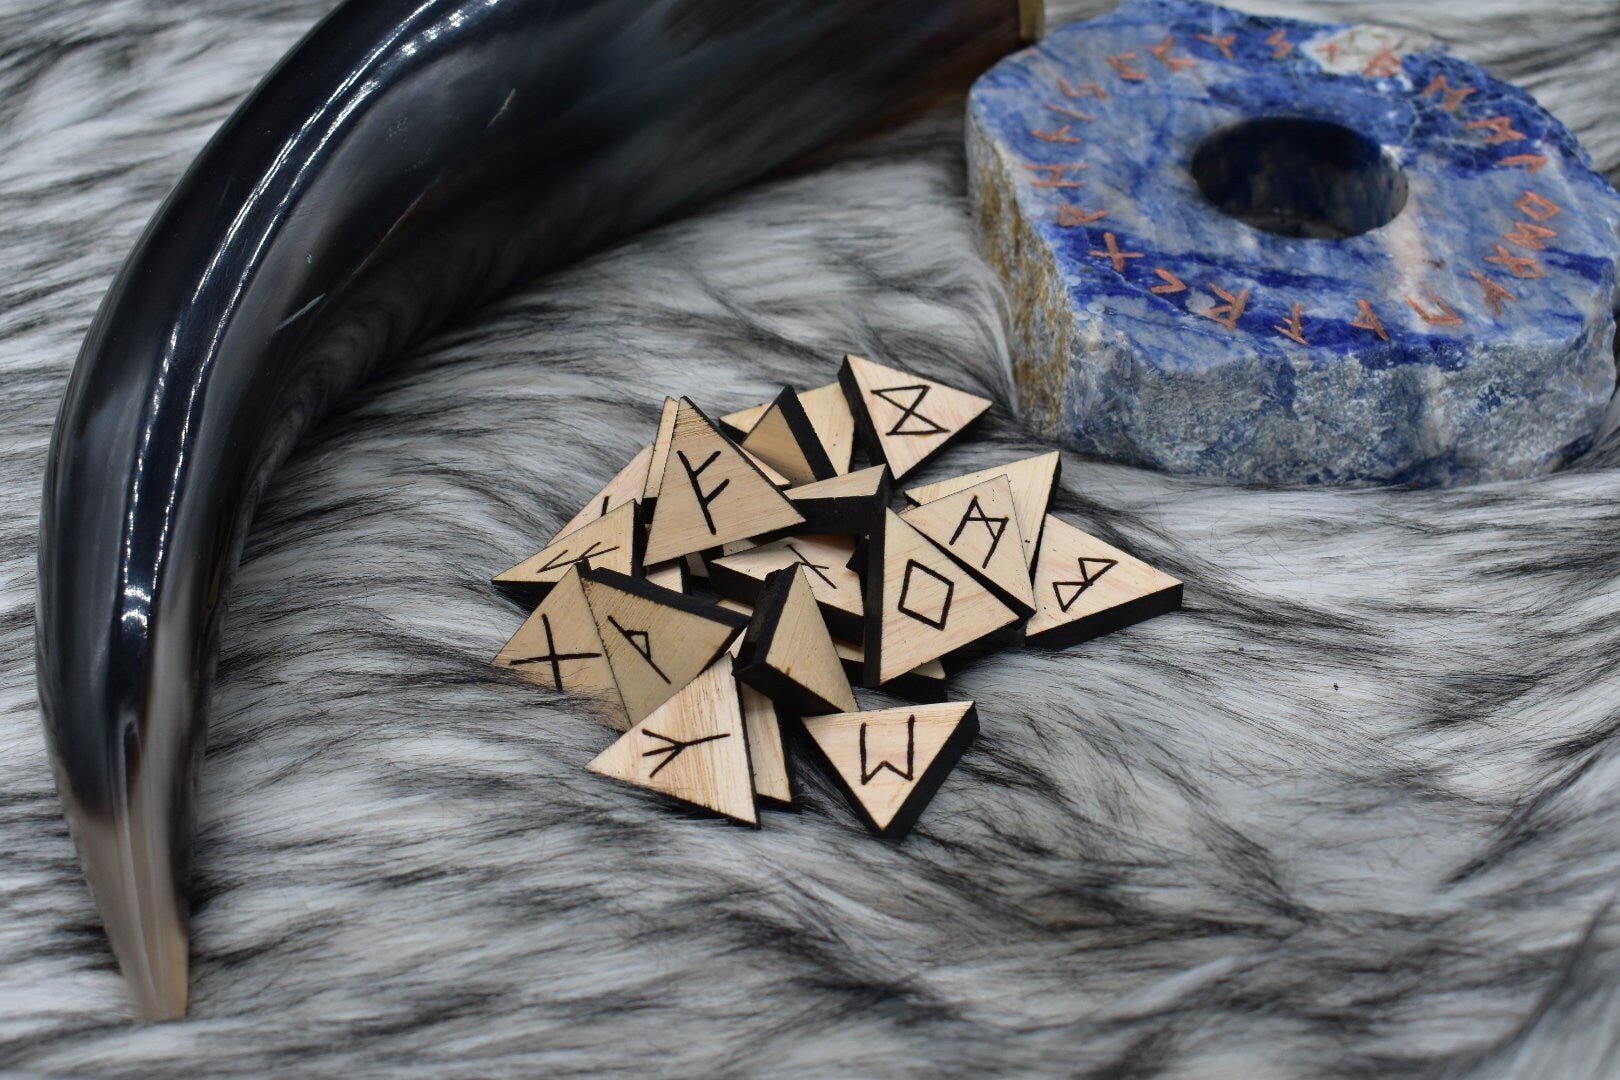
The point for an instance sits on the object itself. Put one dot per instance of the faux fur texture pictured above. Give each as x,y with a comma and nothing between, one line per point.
1355,812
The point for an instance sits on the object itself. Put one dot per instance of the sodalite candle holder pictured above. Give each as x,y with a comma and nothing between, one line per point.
1288,253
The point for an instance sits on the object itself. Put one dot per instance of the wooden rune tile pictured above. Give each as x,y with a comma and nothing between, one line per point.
852,503
626,486
711,493
778,481
741,422
660,453
904,418
1085,588
1032,480
834,424
890,763
558,648
785,440
787,653
926,683
773,780
612,541
693,748
656,640
836,588
978,526
920,605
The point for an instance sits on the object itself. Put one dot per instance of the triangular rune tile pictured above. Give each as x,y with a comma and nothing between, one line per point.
711,493
626,486
784,440
1032,480
660,450
558,648
979,527
920,605
1085,588
905,418
611,542
692,748
828,410
743,420
925,683
787,653
890,763
773,781
656,640
825,559
851,503
673,575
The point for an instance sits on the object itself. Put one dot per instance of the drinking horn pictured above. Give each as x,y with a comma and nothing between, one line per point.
406,160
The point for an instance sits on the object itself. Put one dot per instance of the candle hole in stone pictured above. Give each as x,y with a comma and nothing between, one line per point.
1297,177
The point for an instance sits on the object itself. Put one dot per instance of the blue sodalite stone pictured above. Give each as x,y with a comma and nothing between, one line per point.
1289,253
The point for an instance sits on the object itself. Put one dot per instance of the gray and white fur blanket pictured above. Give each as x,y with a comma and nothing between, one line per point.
1355,812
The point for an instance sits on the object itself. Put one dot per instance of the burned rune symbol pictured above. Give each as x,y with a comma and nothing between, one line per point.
944,604
911,755
641,642
703,499
909,411
995,526
552,656
557,561
814,568
1090,571
674,747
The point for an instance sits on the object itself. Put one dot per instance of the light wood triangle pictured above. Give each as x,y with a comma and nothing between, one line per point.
656,640
891,762
610,542
834,424
558,648
920,605
1032,480
835,586
784,439
1085,588
693,748
711,493
978,526
660,451
766,755
849,503
905,418
626,486
787,653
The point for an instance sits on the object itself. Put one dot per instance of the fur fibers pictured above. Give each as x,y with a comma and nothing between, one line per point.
1354,813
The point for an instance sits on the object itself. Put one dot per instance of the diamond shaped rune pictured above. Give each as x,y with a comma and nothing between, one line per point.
923,598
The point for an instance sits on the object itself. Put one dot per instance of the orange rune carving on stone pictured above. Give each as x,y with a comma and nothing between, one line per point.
1523,266
1528,235
1172,284
1161,52
1113,253
1532,163
1500,127
1446,316
1294,327
1229,313
1280,45
1126,71
1329,51
1367,319
1451,96
1494,293
1073,114
1056,176
1532,205
1085,89
1222,42
1073,215
1061,135
1385,65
